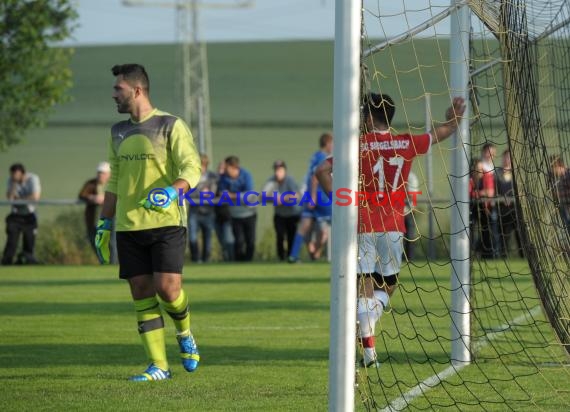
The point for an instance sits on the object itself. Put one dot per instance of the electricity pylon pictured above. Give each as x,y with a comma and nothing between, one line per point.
194,70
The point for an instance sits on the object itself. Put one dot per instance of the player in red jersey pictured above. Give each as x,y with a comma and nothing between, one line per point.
385,163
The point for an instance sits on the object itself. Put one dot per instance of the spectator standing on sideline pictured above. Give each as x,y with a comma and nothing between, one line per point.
475,209
508,217
488,154
319,212
201,218
490,236
561,179
223,222
483,191
235,182
22,219
286,217
93,194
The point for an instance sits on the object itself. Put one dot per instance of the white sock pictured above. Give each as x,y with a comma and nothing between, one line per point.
368,313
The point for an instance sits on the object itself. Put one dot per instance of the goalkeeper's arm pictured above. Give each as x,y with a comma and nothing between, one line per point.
109,205
104,226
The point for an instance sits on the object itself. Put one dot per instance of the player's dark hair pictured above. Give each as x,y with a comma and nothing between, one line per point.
17,167
325,139
380,106
232,161
133,73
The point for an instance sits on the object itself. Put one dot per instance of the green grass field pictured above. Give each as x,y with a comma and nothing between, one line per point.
69,341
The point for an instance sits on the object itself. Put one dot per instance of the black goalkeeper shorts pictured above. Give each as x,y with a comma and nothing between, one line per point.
144,252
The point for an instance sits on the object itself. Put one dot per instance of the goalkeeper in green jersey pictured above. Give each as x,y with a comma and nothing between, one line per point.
153,159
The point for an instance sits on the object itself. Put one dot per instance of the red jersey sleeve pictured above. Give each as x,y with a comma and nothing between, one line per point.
421,143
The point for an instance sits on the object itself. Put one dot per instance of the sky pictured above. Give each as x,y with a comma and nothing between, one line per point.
111,22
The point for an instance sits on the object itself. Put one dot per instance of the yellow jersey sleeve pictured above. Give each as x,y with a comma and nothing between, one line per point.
184,154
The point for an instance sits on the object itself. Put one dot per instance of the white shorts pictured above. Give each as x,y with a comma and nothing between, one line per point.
380,252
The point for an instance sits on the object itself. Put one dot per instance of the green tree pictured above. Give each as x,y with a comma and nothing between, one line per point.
34,74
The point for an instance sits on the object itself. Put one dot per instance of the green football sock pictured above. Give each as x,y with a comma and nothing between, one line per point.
151,330
179,312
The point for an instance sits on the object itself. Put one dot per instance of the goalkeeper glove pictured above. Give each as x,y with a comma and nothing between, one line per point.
102,238
159,199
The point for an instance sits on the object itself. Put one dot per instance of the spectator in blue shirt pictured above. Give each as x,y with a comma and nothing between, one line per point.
234,184
316,215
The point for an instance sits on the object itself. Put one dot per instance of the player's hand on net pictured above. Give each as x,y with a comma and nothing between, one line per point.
158,200
456,110
102,239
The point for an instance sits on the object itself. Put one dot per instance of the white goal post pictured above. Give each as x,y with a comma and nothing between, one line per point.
460,239
346,128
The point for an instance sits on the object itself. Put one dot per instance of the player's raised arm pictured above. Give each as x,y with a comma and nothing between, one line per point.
452,116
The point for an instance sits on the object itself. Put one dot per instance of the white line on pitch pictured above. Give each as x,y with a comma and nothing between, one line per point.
400,403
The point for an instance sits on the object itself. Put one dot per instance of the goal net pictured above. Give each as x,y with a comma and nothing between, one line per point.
518,151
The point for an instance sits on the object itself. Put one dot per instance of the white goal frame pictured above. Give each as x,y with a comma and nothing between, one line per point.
346,128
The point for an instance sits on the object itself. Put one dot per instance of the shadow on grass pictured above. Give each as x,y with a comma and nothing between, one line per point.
256,305
71,309
188,279
45,355
59,282
415,358
126,307
267,280
42,355
228,355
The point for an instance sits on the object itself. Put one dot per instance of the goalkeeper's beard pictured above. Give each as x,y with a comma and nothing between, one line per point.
123,106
